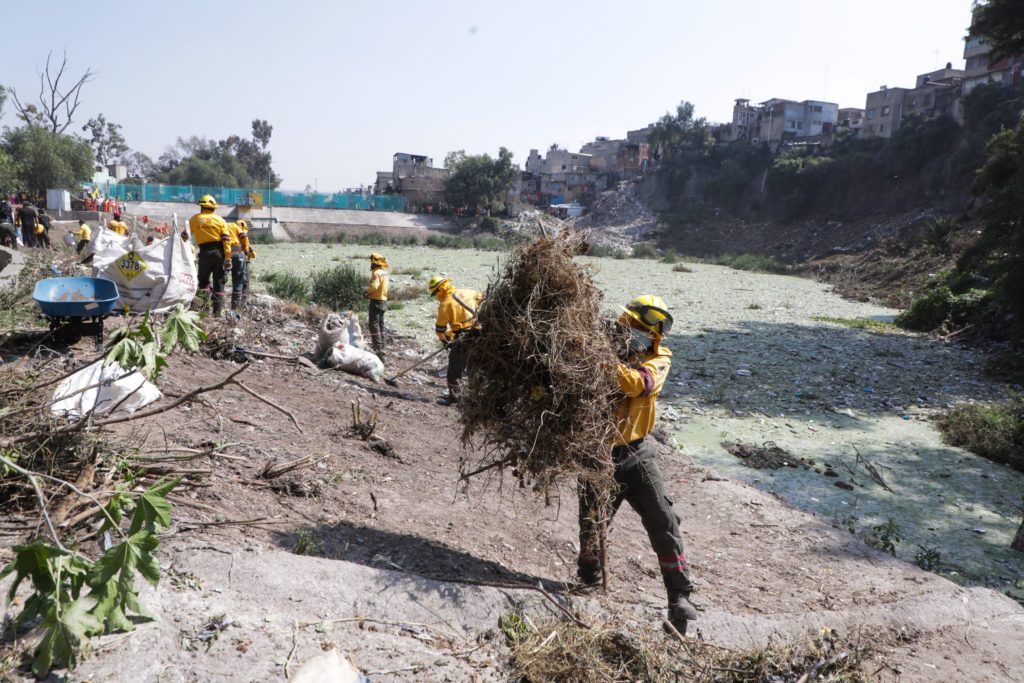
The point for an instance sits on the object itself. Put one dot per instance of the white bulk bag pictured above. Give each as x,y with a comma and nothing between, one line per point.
150,278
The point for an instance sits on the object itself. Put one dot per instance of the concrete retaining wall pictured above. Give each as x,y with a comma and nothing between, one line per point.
11,263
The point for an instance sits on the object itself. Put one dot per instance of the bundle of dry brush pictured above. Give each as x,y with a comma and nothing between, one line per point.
541,389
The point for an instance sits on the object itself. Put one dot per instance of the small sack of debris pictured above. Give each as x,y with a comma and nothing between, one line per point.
541,386
355,362
343,329
339,345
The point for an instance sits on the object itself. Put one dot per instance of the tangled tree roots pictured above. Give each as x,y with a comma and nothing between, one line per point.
541,390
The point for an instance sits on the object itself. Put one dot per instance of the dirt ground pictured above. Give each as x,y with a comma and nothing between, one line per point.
765,571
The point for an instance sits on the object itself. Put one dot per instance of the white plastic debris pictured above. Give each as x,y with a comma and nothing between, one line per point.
99,389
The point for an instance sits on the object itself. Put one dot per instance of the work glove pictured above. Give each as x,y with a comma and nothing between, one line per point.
227,265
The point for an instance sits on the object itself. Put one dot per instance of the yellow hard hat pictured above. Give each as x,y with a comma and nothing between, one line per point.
378,260
435,283
651,313
207,202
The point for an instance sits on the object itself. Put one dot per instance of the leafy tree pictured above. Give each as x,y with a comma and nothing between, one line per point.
106,139
261,131
1001,23
58,98
919,140
225,171
140,168
234,161
479,181
1000,250
48,160
8,172
678,140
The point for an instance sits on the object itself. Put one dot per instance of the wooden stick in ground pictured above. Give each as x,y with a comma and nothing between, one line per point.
270,403
561,607
499,463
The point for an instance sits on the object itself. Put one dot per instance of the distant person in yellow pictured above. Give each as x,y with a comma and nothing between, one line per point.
456,314
84,234
241,253
214,240
117,225
377,293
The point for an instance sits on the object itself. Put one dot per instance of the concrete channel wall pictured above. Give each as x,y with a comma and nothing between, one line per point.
11,263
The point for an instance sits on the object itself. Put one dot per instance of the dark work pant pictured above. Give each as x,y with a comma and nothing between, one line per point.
28,236
211,267
377,311
43,240
81,246
456,366
238,275
641,484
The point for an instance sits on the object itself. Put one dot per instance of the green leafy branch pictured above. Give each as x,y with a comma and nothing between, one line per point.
75,598
146,347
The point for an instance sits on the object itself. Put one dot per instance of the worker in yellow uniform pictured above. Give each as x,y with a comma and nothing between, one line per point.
84,234
377,293
214,240
239,240
117,225
641,376
456,314
250,256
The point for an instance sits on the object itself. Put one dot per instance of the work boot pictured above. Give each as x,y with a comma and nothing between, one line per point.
680,612
236,300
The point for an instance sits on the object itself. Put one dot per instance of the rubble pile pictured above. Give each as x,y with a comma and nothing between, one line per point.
619,218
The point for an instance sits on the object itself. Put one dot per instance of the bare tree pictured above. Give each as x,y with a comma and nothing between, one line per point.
57,102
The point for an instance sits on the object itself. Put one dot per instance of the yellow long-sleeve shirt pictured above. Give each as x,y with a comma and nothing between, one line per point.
239,238
641,382
120,227
208,227
453,314
378,289
84,232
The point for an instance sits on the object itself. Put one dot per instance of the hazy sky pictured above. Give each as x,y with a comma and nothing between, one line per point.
347,84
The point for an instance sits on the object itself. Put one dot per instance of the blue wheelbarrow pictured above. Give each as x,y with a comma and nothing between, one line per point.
76,306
